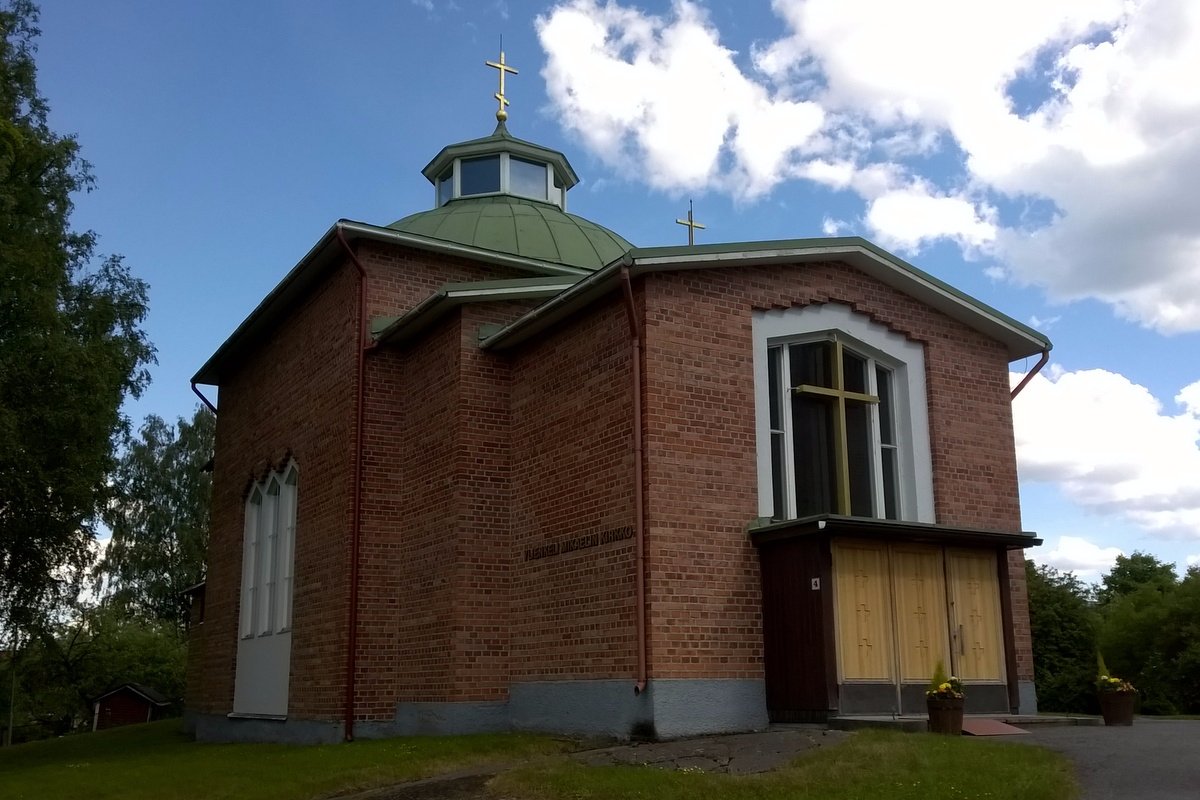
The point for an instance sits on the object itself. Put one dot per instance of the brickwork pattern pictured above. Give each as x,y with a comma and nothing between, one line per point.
434,539
291,397
701,478
480,469
294,396
573,612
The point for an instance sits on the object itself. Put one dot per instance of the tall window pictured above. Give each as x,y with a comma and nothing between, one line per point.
840,416
267,560
833,443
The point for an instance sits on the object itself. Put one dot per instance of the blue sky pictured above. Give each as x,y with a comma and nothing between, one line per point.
1040,156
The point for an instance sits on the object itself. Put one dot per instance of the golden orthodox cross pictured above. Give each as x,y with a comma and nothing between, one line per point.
501,114
691,224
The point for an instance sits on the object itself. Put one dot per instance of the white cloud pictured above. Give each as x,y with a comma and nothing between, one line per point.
834,227
663,101
1189,398
1113,449
1103,127
1074,554
905,219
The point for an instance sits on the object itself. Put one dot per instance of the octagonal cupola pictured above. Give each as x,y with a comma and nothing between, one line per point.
507,195
500,164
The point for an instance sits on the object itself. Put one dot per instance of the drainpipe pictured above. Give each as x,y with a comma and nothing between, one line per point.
204,399
635,341
1029,376
356,491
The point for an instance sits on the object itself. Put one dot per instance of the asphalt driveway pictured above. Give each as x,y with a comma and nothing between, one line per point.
1153,760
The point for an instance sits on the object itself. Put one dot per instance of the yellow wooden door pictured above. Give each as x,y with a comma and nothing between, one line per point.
976,627
864,611
921,627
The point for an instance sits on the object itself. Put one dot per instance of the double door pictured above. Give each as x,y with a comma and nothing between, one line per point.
901,608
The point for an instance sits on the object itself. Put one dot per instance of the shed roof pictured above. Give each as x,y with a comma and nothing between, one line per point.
888,530
148,694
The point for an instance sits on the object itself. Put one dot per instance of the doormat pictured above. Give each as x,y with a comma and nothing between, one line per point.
982,726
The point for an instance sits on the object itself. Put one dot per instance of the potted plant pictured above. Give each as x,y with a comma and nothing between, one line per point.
1117,696
944,699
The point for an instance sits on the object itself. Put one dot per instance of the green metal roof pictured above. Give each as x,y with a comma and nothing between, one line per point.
521,227
327,255
398,329
1019,339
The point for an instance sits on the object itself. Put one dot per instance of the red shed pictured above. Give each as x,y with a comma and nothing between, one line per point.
129,704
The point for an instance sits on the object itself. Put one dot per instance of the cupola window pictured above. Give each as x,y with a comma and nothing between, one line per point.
479,175
445,186
527,178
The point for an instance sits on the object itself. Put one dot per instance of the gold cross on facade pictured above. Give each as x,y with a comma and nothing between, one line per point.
501,114
691,224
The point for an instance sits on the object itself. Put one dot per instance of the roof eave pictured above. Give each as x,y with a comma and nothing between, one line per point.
311,268
1019,340
452,295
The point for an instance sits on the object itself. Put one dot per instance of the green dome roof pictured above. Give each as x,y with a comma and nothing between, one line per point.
521,227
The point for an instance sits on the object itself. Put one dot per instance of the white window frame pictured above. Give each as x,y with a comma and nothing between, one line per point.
906,360
554,193
268,555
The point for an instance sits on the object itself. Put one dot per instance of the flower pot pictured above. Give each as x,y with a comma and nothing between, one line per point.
1117,707
945,715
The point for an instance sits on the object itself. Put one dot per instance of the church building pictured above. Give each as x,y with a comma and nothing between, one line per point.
491,467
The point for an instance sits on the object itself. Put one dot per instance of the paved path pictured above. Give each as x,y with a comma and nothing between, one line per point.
1153,760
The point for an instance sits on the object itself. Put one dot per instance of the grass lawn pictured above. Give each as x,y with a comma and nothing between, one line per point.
158,761
872,764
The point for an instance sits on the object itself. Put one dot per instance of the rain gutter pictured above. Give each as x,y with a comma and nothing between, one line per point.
362,345
1030,375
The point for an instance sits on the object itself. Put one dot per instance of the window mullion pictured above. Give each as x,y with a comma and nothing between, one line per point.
875,445
841,455
787,425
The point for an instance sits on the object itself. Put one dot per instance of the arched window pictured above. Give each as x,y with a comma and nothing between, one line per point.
841,417
261,679
268,555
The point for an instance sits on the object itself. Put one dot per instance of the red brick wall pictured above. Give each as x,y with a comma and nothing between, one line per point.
701,470
483,538
573,612
409,517
292,395
472,460
401,277
295,395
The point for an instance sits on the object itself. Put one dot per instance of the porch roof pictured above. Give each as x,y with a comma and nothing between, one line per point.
868,528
